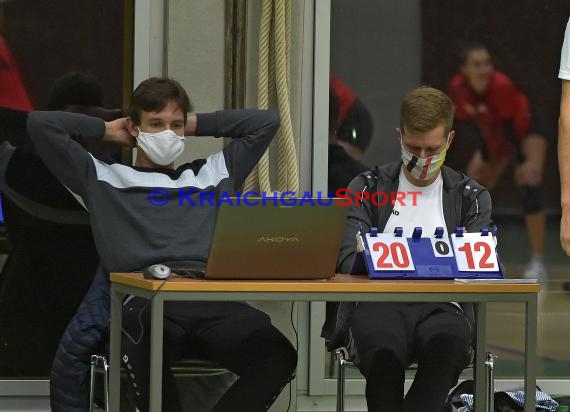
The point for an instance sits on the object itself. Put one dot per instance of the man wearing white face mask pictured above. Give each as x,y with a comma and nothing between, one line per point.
161,148
388,337
151,213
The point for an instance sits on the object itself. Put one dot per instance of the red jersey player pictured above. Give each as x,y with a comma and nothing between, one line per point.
488,102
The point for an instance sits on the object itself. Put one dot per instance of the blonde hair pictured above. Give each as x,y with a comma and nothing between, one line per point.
425,108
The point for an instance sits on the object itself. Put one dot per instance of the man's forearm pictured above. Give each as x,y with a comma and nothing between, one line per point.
54,134
534,150
564,145
191,123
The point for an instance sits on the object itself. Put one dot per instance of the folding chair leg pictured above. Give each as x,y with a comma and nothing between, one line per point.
106,383
341,363
490,381
99,364
92,382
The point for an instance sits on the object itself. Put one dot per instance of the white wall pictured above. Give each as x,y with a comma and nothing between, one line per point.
195,57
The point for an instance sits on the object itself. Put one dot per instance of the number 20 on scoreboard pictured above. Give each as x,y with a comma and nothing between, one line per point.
390,253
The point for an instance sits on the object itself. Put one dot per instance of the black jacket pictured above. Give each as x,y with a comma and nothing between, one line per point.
342,168
465,204
52,257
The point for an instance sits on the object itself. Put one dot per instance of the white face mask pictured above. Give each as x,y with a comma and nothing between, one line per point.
162,148
423,168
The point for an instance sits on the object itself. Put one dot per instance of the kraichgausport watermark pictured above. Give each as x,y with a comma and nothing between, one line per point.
160,196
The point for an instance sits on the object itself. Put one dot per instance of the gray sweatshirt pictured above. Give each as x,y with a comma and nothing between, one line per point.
131,230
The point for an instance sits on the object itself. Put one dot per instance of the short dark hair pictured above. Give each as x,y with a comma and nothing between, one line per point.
77,89
353,123
357,127
153,94
466,49
425,108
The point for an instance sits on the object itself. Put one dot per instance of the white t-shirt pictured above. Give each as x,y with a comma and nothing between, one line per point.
427,212
565,55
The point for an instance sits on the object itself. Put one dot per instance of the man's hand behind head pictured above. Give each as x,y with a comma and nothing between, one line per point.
116,132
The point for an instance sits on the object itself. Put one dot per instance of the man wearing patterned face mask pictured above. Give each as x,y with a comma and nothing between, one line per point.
423,169
385,338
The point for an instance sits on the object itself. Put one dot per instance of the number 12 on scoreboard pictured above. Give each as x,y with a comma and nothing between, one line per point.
475,253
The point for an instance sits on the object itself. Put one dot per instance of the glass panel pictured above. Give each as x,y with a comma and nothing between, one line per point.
380,50
49,266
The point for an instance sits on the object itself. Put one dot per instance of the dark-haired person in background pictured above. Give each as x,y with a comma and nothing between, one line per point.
353,123
131,233
350,131
490,107
81,92
52,258
75,89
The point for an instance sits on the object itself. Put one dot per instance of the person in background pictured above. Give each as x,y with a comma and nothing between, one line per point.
490,107
52,257
353,124
13,93
350,131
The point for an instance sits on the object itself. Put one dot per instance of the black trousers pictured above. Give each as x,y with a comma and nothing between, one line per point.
388,337
232,334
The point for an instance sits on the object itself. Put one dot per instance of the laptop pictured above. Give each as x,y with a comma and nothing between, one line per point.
276,241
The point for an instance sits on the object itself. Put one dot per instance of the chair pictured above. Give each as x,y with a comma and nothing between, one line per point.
337,337
342,359
188,367
99,365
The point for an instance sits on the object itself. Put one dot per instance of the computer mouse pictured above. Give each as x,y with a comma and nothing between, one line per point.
156,272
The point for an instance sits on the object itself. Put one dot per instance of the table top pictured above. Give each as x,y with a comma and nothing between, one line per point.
338,283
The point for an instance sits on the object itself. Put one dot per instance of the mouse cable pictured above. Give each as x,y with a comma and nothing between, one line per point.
139,317
296,348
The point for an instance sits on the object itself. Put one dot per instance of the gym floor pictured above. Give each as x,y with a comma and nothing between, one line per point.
506,321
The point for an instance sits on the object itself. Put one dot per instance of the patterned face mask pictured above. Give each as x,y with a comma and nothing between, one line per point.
423,168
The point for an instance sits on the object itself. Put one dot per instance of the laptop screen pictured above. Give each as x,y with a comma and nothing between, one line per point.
276,241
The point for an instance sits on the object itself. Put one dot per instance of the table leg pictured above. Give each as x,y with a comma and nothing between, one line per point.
481,397
115,349
156,330
531,315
